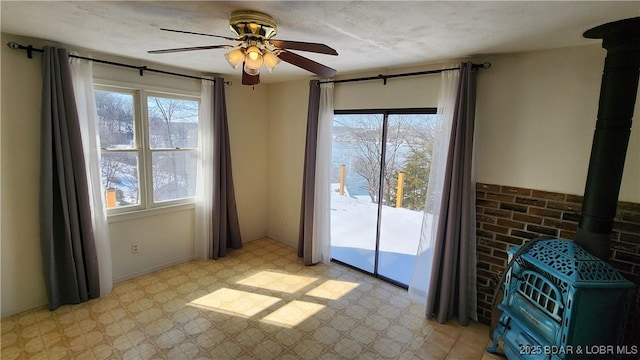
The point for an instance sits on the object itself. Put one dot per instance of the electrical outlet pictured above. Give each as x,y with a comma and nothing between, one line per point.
135,248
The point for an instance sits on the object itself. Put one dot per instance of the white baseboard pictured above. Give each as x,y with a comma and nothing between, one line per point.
152,269
24,307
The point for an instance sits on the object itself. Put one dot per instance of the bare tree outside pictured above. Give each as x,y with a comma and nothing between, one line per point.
173,128
367,139
119,161
397,135
115,119
417,137
409,147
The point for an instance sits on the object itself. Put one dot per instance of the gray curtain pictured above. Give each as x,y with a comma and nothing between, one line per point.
305,248
226,228
450,288
69,260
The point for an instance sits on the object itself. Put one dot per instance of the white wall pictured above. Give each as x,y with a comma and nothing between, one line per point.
22,285
287,129
535,117
165,236
163,239
409,92
247,112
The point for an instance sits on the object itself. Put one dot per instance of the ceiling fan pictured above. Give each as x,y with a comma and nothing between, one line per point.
256,47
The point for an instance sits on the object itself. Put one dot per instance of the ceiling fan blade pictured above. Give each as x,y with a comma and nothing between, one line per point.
307,64
165,51
304,46
203,34
250,79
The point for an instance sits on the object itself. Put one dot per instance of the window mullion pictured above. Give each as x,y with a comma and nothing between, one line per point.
176,150
143,147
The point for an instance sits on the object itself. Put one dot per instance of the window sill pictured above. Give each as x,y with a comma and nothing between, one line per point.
137,214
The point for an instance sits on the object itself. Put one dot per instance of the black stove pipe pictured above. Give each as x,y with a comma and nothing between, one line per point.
618,93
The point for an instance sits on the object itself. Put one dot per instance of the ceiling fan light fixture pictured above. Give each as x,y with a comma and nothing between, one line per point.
235,57
270,60
253,58
255,47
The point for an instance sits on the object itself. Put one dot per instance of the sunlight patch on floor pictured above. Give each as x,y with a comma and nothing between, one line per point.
234,302
276,281
293,313
332,289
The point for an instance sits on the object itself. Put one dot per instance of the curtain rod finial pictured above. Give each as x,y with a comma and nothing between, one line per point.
486,65
13,45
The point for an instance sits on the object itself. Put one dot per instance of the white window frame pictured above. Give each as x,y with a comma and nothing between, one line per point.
142,145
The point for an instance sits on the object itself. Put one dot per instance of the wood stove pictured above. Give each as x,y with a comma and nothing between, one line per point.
561,302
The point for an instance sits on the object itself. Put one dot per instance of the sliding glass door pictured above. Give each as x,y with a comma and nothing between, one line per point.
356,151
380,169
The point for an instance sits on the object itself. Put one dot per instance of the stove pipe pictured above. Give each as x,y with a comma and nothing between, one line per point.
618,93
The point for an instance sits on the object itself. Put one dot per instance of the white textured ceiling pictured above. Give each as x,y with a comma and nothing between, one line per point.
368,35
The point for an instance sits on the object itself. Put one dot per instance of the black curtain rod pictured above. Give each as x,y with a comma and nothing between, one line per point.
29,49
141,69
384,78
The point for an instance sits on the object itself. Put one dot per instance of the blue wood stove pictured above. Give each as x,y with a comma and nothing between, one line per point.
561,302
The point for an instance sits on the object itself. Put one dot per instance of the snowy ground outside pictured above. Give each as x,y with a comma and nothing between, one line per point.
353,234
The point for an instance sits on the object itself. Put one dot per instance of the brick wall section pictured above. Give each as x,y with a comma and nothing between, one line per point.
507,216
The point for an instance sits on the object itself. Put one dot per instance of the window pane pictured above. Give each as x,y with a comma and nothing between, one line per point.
355,177
174,175
173,123
120,178
406,174
115,119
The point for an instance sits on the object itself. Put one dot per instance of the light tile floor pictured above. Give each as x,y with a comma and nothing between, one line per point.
259,302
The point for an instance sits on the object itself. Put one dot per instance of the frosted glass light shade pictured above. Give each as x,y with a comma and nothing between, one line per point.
271,60
253,58
235,57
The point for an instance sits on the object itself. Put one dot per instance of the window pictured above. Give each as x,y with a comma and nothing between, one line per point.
379,173
149,145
